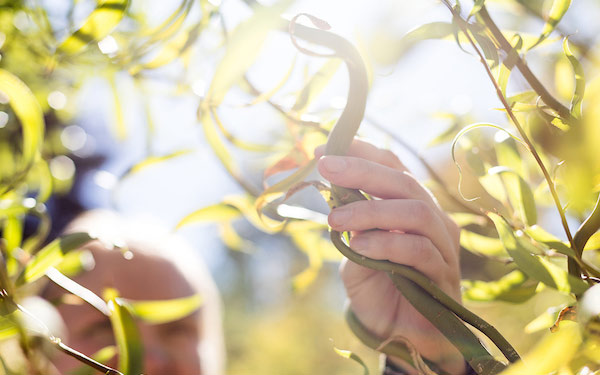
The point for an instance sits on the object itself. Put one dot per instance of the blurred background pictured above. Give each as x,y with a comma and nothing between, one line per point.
124,133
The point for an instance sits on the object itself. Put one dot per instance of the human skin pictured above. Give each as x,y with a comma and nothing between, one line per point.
170,348
405,226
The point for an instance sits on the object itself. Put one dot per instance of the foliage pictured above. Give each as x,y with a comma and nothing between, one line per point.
544,156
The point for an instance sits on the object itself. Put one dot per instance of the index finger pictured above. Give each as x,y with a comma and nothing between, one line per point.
365,150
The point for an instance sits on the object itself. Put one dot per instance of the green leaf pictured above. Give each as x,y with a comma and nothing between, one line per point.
13,232
316,85
577,99
153,160
99,23
534,266
540,235
558,10
8,327
212,213
350,355
509,288
75,262
243,48
28,111
488,47
51,255
127,336
164,311
551,353
433,30
120,125
476,7
519,194
482,245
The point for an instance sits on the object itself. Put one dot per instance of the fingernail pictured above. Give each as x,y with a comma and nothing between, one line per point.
339,216
359,244
334,164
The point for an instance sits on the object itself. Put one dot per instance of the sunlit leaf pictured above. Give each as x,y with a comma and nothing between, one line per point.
13,232
462,219
127,336
483,245
244,145
488,47
243,48
120,125
579,80
540,235
28,111
558,10
534,266
75,262
294,159
279,189
215,212
233,240
543,321
350,355
519,194
477,7
99,23
164,311
247,205
316,84
153,160
509,288
553,351
51,255
267,95
8,327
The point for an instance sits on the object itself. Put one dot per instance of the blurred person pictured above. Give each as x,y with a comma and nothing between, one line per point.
406,226
162,266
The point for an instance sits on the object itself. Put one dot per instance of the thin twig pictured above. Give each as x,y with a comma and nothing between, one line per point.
517,124
533,81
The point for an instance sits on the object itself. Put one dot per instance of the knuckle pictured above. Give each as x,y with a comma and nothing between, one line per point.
420,212
423,249
390,158
412,187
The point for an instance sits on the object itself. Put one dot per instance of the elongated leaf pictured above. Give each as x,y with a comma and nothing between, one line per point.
279,189
544,320
28,111
153,160
558,10
316,84
540,235
159,312
244,145
215,212
8,327
75,262
13,232
350,355
243,48
127,336
120,128
247,205
536,267
555,350
51,255
433,30
100,23
477,7
509,288
233,240
519,194
483,245
577,99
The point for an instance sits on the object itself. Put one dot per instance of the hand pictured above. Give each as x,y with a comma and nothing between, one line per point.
404,226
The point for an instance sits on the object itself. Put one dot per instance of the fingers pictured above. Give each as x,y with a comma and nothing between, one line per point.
367,151
410,250
374,178
405,215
